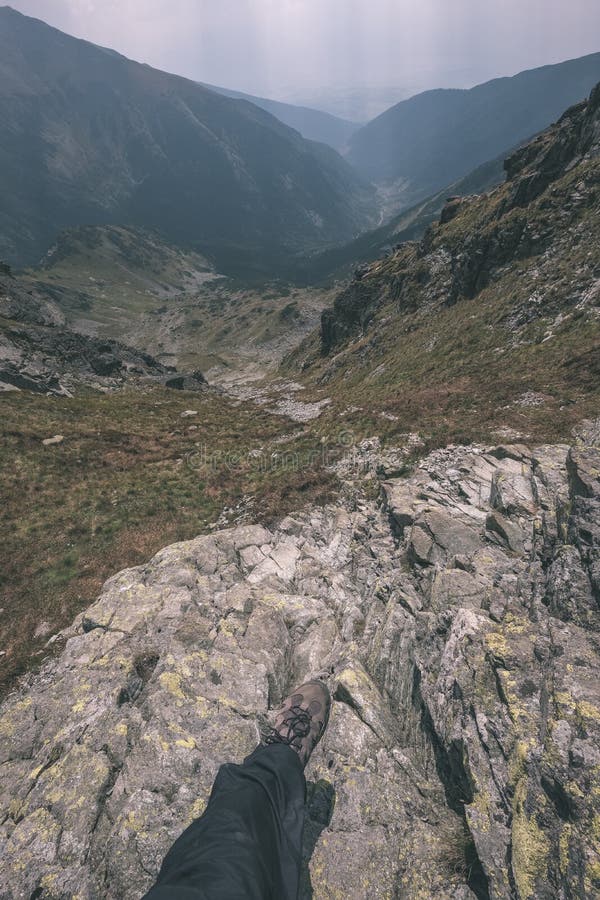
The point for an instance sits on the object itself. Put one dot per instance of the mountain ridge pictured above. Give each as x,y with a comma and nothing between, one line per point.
489,323
313,124
93,138
436,137
410,224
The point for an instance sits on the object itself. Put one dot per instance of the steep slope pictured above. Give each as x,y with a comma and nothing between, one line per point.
424,143
313,124
457,626
492,319
338,262
90,137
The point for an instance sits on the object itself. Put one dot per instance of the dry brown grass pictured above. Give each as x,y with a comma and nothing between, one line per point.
125,482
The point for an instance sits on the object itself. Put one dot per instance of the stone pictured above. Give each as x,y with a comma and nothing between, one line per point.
436,536
182,381
508,532
569,595
512,493
456,623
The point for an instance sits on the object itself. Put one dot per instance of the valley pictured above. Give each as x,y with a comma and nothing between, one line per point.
273,408
385,356
130,285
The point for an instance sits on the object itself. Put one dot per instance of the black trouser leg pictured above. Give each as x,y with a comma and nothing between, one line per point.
248,843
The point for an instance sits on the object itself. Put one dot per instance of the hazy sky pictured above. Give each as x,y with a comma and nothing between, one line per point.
315,50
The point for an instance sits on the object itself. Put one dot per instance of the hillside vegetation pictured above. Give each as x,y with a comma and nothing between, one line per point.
490,324
134,470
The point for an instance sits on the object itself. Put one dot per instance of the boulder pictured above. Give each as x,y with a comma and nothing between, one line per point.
195,381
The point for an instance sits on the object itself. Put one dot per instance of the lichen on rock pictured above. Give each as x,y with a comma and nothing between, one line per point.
461,759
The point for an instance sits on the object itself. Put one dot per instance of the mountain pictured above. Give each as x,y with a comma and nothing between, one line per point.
313,124
90,137
434,138
337,262
490,321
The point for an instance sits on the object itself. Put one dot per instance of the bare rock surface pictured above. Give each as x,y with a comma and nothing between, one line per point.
456,622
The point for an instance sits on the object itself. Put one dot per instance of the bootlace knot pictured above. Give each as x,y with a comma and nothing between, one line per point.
294,728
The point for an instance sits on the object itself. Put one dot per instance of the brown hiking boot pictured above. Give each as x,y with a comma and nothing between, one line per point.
301,720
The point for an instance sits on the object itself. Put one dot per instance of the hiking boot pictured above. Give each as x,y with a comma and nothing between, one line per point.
301,720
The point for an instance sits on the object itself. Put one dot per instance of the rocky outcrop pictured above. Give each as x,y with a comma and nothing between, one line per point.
352,311
181,382
58,361
20,302
574,138
456,621
38,353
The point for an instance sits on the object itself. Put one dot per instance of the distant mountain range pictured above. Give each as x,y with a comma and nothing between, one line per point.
313,124
89,137
431,140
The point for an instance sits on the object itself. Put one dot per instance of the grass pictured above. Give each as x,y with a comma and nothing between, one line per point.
461,372
129,285
130,477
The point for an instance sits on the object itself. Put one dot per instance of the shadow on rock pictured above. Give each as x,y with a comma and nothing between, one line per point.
320,798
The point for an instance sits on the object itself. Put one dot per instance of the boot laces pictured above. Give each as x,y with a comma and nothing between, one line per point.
294,728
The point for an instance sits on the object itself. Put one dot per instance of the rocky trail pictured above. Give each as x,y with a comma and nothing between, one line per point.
456,621
282,397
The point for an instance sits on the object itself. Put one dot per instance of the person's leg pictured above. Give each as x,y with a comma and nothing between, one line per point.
248,843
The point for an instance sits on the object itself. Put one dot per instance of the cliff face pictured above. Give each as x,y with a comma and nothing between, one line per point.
457,624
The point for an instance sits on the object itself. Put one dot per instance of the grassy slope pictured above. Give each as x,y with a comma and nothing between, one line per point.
104,278
128,479
122,485
226,325
460,372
